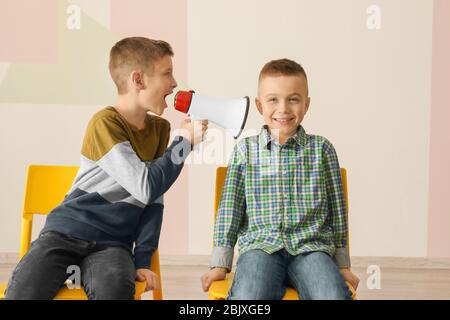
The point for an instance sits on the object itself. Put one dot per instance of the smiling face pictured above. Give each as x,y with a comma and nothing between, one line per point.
283,102
157,83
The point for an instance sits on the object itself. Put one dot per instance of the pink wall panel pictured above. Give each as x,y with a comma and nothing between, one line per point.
28,31
439,197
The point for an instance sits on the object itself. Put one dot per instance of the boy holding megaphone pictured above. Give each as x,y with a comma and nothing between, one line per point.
116,200
283,202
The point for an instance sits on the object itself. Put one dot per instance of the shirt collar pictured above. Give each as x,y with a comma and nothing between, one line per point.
300,137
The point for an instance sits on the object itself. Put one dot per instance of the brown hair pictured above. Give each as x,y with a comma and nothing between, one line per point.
282,67
134,53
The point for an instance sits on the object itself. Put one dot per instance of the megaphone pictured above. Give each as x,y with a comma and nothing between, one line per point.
230,114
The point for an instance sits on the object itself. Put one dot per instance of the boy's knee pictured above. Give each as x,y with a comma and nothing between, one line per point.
15,291
111,285
112,291
25,284
255,288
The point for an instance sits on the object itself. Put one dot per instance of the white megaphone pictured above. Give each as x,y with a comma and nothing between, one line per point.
230,114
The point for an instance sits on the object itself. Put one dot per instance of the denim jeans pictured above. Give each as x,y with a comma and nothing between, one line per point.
262,276
107,272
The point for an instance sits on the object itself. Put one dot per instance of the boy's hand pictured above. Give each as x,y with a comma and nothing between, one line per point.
350,277
212,275
194,130
148,276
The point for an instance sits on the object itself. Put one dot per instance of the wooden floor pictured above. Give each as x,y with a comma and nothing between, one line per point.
183,282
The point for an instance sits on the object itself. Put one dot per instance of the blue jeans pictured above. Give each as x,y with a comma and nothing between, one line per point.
262,276
107,272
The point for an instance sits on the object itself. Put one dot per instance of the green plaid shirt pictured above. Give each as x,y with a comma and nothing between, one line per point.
282,196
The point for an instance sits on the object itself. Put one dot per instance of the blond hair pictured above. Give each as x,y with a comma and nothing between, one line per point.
283,67
134,53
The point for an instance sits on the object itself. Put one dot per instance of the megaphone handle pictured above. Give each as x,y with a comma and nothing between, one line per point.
196,148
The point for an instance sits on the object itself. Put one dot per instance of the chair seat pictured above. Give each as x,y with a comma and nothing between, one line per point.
78,294
219,290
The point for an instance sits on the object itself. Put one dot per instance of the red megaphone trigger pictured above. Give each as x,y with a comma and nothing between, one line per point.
183,100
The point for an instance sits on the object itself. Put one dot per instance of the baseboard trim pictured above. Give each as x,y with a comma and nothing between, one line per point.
357,262
401,262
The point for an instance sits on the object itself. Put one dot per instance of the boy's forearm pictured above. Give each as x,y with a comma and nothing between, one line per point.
222,257
164,171
148,233
342,258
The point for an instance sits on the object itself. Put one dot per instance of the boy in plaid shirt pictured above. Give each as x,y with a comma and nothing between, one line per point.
283,202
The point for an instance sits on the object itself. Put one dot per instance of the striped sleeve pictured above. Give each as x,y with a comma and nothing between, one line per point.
107,143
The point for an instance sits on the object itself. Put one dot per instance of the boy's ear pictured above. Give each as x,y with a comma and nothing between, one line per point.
258,105
137,79
308,101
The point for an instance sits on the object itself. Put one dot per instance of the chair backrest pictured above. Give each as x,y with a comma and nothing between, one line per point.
45,188
221,173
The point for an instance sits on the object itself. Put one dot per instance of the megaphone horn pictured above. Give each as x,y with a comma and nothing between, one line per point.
230,114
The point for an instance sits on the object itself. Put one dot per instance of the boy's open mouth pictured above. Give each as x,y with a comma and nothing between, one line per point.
168,94
165,96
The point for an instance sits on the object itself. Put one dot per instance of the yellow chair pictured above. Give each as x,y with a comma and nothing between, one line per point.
45,188
219,289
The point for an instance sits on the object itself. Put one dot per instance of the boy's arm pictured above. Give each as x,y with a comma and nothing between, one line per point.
149,227
110,148
147,234
336,205
230,213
